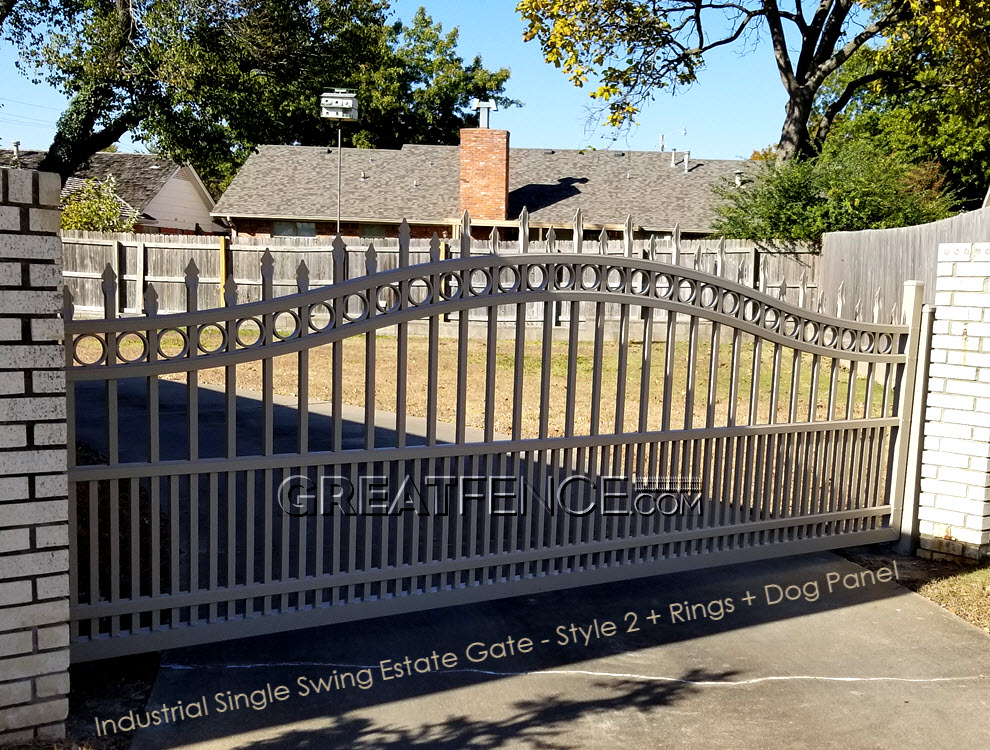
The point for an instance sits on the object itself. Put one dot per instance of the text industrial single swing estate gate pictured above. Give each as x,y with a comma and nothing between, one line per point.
789,427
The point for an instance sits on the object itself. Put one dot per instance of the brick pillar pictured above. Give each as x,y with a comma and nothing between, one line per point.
484,158
34,533
954,506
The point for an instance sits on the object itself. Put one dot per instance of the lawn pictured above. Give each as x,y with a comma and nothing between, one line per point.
560,402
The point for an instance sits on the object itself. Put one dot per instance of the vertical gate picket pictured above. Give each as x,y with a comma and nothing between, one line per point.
432,381
543,460
402,364
597,532
302,363
518,382
620,454
113,451
337,312
370,373
154,344
194,345
643,469
713,446
232,342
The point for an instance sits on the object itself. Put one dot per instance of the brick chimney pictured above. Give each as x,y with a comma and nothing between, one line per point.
485,173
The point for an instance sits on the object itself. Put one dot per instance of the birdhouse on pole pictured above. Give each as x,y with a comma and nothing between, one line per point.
339,104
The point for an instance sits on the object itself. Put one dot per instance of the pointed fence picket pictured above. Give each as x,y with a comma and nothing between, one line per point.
161,260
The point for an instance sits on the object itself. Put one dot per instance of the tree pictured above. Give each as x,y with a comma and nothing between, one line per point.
637,47
782,204
206,82
929,102
94,207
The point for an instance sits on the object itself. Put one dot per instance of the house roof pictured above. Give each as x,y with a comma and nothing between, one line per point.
139,176
421,183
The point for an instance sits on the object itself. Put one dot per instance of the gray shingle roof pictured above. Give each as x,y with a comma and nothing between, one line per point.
421,183
139,176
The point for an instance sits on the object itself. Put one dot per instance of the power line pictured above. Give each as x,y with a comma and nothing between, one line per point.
28,104
26,124
28,120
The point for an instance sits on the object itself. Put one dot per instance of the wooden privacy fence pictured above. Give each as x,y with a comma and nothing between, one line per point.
140,259
183,532
876,262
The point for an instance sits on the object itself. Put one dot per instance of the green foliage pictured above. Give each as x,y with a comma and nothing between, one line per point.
204,83
94,208
930,113
787,203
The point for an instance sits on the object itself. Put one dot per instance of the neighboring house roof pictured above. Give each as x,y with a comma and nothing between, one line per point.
139,176
421,184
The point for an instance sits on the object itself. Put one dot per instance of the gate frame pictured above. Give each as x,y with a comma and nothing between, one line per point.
903,361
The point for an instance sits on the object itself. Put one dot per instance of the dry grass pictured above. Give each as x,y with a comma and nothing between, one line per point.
961,589
561,403
965,592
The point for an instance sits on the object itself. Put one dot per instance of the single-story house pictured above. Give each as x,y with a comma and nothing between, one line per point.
292,190
165,197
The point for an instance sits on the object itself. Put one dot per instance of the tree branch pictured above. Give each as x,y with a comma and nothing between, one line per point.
834,109
701,49
780,45
829,66
77,137
831,32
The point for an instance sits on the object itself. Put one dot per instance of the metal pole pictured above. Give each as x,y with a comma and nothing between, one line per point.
340,156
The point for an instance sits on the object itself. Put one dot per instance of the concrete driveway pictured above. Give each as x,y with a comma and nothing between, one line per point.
871,666
874,666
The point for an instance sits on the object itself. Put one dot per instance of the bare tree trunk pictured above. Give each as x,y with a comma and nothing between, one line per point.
795,136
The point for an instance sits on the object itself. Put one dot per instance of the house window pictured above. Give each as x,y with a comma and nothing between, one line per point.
294,229
374,231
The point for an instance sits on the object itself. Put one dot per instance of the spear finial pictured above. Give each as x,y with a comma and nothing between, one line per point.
465,234
371,259
68,305
524,230
302,276
434,248
151,301
578,231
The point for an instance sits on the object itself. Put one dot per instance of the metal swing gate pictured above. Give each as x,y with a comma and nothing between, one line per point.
791,425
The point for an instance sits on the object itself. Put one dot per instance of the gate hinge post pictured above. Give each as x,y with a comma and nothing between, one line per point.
910,409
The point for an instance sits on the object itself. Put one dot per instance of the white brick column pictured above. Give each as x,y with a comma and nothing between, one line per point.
954,506
34,533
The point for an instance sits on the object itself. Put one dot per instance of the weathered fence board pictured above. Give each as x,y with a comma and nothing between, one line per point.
863,262
164,259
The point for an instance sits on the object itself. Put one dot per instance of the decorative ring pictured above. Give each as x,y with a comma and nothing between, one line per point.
315,315
185,343
360,297
103,350
295,326
238,331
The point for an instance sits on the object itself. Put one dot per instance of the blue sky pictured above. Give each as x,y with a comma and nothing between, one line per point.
737,105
